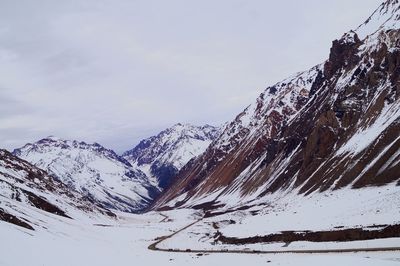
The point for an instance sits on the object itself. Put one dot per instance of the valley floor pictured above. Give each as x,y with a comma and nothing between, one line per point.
126,242
103,241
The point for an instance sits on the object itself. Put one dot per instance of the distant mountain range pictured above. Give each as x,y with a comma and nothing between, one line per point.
126,183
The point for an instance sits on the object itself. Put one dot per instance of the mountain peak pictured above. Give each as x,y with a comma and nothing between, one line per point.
54,141
52,137
385,17
162,155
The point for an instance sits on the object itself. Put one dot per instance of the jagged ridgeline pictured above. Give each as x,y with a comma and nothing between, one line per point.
333,126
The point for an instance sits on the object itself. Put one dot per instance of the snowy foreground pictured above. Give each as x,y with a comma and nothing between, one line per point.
104,241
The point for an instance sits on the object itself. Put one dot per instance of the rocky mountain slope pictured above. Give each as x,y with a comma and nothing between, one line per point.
336,125
163,155
27,192
92,170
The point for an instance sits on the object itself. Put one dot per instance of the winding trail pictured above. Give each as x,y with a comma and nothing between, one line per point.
154,247
163,238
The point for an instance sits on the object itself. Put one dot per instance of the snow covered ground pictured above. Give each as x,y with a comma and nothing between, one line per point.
104,241
343,208
333,210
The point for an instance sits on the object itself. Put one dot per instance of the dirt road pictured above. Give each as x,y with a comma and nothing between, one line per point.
154,247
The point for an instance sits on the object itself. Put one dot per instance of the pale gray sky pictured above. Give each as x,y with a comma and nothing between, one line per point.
117,71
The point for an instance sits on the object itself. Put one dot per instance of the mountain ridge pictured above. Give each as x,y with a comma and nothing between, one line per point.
299,145
92,170
28,192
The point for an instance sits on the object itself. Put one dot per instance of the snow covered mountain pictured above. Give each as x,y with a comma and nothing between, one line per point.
29,195
92,170
163,155
336,125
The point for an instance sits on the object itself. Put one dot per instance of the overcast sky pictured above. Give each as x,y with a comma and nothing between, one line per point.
118,71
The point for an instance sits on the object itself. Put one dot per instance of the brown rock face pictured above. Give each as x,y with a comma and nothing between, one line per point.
343,54
335,125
